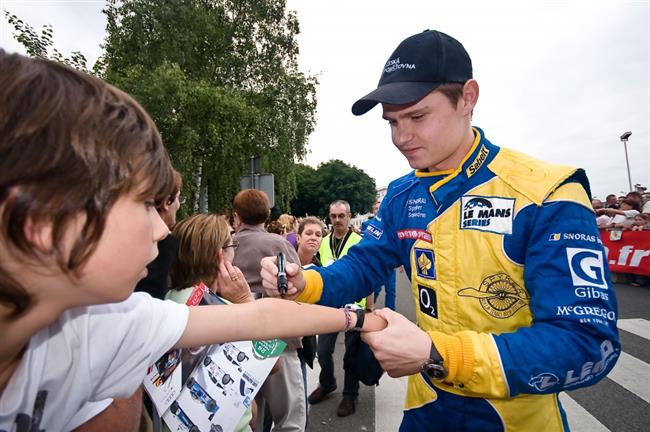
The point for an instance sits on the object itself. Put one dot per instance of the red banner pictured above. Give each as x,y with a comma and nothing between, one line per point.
630,253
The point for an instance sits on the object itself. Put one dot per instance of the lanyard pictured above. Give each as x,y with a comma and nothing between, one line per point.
336,250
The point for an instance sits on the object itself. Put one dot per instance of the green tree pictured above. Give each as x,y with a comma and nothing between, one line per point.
308,195
333,180
42,44
219,77
235,87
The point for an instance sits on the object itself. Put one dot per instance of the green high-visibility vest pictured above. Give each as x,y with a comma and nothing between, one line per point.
328,256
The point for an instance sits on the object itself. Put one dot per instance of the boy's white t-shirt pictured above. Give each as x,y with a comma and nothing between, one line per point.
72,369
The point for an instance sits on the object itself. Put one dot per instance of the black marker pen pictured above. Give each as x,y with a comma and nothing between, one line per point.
283,285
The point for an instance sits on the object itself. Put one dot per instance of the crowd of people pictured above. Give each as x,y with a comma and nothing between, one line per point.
626,212
239,240
88,198
630,212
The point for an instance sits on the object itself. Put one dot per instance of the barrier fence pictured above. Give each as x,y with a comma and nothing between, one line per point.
628,254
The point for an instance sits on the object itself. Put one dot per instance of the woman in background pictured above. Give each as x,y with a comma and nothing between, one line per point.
310,235
205,245
289,226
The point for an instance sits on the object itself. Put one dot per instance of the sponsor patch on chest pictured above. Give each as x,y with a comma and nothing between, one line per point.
499,295
428,301
491,214
425,262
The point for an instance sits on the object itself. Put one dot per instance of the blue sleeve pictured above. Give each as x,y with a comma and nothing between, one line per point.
366,265
573,341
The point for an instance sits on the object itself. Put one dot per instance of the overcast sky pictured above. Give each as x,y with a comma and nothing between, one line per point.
558,80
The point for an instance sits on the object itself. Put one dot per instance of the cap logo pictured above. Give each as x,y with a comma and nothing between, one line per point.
394,64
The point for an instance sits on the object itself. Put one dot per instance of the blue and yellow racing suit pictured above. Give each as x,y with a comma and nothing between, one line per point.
510,281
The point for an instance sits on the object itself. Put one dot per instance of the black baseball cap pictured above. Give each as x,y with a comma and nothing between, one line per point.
417,66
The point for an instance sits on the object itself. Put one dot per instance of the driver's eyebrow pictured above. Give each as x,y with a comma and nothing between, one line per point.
406,113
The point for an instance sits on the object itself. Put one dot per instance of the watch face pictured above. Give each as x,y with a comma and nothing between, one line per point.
435,371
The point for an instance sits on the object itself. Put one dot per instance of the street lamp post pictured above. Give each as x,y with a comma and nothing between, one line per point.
624,138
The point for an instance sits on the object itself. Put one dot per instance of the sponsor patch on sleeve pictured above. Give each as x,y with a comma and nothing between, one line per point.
374,231
544,381
570,236
414,234
587,267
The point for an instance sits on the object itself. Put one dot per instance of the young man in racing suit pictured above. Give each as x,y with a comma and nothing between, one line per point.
514,300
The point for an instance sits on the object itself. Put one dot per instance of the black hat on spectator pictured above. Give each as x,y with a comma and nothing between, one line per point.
417,66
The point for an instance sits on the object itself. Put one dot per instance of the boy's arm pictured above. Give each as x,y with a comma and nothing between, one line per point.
267,319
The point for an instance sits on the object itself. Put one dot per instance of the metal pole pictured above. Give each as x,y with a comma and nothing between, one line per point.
627,162
251,171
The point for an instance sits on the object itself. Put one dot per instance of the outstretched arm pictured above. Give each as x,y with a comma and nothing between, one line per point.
267,319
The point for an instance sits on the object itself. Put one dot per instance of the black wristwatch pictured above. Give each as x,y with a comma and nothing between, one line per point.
361,316
434,366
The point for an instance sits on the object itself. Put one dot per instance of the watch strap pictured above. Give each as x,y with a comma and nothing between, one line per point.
434,354
434,365
361,316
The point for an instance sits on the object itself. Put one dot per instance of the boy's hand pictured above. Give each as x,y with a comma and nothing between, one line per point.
231,284
269,275
402,347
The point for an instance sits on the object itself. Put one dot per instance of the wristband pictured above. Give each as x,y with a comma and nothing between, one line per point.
348,319
361,316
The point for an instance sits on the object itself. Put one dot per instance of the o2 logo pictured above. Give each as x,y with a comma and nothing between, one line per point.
587,268
428,301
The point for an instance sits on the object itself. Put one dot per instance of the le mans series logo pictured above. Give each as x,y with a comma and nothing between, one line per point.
498,295
491,214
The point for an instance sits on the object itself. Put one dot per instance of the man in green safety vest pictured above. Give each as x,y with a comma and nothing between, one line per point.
334,246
